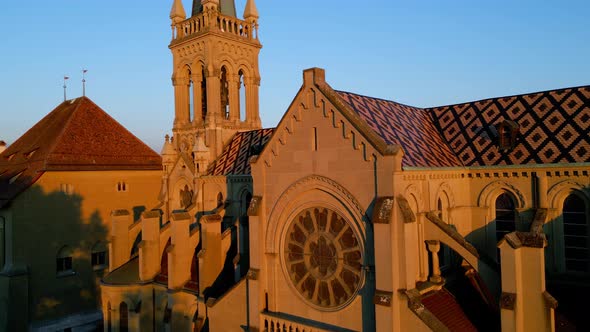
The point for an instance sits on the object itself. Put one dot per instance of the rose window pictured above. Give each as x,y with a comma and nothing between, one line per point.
323,257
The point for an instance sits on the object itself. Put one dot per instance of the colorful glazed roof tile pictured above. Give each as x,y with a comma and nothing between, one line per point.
410,127
445,308
235,157
554,127
75,136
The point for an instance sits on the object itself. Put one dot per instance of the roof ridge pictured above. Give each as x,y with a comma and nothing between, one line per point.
59,136
379,98
429,109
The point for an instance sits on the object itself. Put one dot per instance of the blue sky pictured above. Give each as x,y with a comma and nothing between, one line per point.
421,52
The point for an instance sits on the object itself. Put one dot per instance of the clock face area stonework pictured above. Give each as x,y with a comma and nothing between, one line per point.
323,257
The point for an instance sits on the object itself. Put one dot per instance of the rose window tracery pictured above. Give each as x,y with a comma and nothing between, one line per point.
323,257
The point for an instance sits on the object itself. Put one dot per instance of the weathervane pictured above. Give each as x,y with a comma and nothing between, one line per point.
84,82
65,87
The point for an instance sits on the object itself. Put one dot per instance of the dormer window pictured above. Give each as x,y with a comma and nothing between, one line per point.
507,134
28,155
10,156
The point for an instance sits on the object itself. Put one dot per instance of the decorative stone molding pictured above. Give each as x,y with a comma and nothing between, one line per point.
382,298
526,239
180,216
210,218
383,210
118,213
496,187
559,191
254,208
407,213
507,301
446,188
413,190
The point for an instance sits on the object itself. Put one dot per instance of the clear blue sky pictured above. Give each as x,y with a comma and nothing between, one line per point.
420,52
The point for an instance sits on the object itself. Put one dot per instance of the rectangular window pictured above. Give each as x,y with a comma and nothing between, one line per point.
99,259
64,264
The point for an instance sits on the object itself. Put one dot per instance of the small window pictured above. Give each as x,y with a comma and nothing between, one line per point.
64,262
67,188
507,134
99,256
122,186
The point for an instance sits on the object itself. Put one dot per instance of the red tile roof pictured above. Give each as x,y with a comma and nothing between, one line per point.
235,157
77,135
445,308
408,126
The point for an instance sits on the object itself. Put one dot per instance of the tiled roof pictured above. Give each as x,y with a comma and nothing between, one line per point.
554,127
77,135
445,308
235,157
408,126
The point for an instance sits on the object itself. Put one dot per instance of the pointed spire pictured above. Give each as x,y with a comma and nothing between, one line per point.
177,12
250,11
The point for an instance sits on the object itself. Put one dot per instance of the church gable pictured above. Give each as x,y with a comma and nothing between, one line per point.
318,121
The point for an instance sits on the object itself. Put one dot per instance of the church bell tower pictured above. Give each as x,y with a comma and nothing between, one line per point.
215,74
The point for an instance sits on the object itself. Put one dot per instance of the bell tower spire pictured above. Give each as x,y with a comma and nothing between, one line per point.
215,73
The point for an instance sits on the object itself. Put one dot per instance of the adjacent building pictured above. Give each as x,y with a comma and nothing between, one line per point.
59,183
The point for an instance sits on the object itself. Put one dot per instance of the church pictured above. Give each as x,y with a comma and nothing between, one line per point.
354,213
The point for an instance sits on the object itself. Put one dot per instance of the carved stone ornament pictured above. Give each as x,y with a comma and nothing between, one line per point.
383,210
254,208
507,301
382,298
186,197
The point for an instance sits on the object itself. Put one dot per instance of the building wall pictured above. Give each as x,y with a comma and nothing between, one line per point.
67,209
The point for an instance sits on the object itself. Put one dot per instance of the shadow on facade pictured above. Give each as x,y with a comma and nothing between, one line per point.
55,258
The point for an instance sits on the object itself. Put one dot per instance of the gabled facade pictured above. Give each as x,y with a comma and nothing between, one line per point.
59,183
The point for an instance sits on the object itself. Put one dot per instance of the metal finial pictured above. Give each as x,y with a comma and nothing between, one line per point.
65,87
84,82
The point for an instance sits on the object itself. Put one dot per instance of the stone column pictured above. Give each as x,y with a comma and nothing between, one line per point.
234,98
119,245
197,98
433,248
181,101
252,103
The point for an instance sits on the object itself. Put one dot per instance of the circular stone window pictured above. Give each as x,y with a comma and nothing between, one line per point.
323,257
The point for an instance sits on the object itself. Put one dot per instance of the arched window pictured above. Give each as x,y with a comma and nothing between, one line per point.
505,215
224,88
123,317
242,93
99,256
203,93
191,97
64,261
219,200
576,234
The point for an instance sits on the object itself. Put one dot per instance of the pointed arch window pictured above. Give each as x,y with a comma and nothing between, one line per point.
224,88
576,233
242,94
191,97
203,94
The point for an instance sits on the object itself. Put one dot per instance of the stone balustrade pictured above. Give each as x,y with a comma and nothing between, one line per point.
274,323
214,21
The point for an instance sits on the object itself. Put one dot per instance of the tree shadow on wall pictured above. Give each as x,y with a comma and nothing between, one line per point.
48,227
